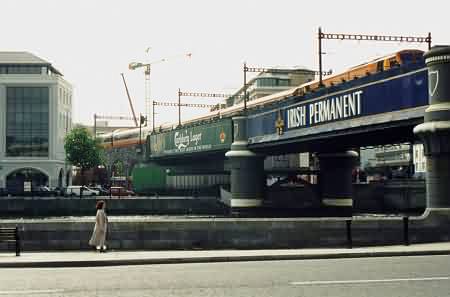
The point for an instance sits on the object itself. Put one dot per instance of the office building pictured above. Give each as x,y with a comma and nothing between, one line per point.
35,116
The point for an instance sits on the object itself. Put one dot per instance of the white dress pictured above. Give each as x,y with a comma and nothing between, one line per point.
99,234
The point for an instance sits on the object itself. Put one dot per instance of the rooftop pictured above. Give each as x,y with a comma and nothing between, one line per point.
26,58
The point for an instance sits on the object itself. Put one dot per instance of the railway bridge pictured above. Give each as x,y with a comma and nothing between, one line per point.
382,108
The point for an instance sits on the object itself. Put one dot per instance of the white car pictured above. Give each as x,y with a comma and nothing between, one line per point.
75,191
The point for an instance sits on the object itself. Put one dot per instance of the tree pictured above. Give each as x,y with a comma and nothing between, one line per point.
82,150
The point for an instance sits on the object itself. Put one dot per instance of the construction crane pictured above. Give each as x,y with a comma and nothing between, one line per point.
129,100
147,70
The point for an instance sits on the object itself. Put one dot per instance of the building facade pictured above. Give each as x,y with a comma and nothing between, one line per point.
35,116
271,82
420,161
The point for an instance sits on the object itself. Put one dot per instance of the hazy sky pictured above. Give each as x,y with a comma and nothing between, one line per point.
92,41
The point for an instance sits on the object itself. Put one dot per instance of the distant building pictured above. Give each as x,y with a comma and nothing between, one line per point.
390,161
103,127
268,83
35,116
271,82
420,161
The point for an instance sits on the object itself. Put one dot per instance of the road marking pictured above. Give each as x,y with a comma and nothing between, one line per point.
366,281
27,292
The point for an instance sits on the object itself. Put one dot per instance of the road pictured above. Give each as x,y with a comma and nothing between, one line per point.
395,276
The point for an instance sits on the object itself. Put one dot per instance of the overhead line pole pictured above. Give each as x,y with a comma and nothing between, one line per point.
179,108
153,115
210,95
183,104
298,71
179,104
363,37
320,57
245,87
264,69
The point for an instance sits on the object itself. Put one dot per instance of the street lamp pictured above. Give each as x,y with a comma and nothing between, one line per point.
142,121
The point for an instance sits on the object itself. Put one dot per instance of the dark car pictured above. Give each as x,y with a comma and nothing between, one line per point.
101,190
44,191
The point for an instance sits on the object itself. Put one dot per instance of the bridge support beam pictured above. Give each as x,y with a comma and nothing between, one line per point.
336,180
435,131
247,171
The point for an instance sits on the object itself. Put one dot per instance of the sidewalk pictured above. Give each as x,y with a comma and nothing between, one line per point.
113,258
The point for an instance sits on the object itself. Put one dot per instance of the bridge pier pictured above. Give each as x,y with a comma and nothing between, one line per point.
435,131
247,171
336,180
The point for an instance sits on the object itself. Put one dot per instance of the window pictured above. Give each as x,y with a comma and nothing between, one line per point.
27,121
20,69
272,82
283,82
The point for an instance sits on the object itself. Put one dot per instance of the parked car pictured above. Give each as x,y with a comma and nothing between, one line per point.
60,191
3,192
75,191
44,191
102,191
121,191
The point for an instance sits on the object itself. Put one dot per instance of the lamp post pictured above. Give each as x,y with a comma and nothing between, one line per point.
153,116
142,120
95,125
320,57
179,107
245,87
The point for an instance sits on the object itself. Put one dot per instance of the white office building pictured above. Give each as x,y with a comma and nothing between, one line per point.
35,115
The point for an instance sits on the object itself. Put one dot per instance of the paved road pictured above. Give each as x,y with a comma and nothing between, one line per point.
397,276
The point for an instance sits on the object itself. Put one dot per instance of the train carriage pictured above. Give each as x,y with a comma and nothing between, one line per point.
131,137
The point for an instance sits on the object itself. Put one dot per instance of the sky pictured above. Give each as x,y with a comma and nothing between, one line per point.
92,41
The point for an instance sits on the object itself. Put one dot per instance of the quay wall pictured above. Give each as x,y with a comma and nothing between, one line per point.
163,233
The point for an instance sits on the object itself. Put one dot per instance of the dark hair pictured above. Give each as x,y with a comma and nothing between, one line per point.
99,204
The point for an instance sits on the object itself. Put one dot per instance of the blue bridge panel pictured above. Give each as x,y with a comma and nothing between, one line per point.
391,91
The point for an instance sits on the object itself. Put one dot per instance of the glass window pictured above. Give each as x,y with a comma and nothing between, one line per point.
21,69
283,82
27,122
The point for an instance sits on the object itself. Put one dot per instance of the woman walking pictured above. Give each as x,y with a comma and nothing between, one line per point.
101,224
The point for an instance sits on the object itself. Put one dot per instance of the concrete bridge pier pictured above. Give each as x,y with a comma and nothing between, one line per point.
435,131
247,171
335,180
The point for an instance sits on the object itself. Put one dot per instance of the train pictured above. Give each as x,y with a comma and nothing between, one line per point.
384,63
136,136
123,138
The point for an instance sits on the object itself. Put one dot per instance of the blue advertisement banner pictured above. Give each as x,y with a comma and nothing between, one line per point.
373,96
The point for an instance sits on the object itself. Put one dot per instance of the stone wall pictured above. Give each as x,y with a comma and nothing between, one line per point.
228,233
19,207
